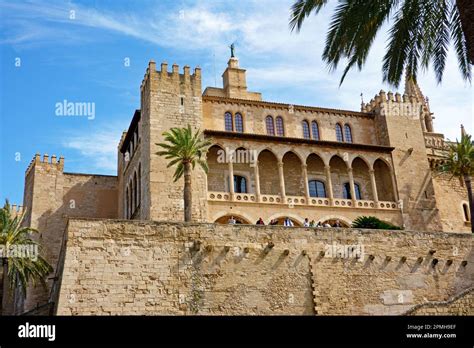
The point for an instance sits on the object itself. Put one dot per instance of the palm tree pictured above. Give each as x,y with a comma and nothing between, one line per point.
184,149
19,270
421,32
459,162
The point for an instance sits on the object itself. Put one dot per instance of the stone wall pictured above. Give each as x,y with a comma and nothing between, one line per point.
255,112
450,196
460,304
133,267
51,196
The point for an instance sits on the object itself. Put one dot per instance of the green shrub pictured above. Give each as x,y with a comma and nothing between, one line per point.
374,223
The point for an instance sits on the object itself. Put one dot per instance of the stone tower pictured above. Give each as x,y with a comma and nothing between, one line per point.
401,122
169,99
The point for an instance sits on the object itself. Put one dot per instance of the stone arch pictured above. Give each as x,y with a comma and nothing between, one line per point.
361,173
344,220
139,183
362,158
387,162
218,168
130,201
268,172
292,172
297,153
135,190
383,180
242,161
339,175
223,218
266,148
297,220
315,168
127,214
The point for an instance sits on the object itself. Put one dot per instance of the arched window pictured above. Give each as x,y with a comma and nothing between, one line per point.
279,126
135,190
317,188
347,191
239,123
229,127
240,184
139,189
339,132
315,130
465,209
306,133
130,200
347,133
127,215
270,125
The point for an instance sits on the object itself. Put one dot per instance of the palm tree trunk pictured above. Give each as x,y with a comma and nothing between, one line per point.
466,13
4,285
467,180
188,200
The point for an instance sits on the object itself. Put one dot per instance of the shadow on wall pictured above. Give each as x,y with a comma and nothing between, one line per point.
82,199
426,216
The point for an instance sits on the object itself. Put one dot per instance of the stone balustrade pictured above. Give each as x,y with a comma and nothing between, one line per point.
302,201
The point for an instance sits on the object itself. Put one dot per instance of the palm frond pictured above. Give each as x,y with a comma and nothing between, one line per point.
302,9
459,42
21,269
182,145
421,34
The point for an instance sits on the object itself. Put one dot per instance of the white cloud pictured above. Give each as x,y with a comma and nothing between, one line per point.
276,59
97,149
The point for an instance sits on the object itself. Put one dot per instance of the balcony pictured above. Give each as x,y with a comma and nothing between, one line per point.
301,201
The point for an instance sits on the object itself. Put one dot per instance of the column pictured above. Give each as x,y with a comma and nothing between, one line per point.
282,181
375,195
257,182
231,178
329,184
304,169
352,187
394,185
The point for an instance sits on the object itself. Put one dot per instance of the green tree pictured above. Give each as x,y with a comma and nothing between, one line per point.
421,32
373,223
19,271
184,149
459,163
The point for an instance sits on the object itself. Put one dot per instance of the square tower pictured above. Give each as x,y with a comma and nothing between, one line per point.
169,99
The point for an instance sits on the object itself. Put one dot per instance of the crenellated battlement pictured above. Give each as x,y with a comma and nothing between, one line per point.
16,210
394,104
46,162
173,75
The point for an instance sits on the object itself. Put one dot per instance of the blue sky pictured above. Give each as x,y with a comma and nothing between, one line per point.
77,50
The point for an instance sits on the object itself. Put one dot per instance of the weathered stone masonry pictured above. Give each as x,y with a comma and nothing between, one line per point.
126,267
